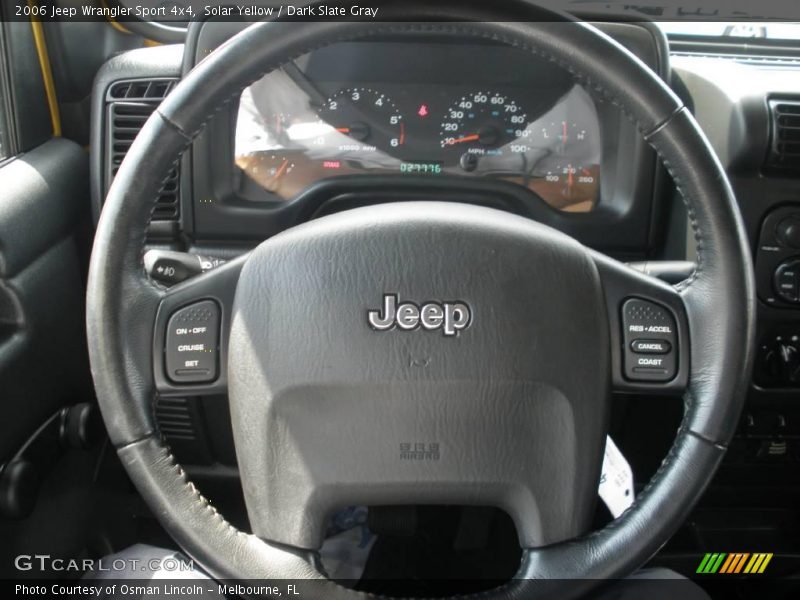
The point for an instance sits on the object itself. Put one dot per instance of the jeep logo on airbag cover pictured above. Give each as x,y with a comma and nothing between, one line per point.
450,317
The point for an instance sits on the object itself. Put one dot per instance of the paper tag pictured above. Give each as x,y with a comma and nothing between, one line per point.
616,481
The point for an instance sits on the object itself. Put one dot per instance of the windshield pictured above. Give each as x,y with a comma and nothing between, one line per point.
764,30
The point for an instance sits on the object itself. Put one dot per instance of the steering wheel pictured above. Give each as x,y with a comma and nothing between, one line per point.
425,352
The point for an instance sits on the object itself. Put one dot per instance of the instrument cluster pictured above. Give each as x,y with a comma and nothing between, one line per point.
293,130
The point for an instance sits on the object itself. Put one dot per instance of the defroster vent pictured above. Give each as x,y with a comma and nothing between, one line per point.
128,105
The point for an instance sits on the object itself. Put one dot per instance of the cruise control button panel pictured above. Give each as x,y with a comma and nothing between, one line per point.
191,344
650,341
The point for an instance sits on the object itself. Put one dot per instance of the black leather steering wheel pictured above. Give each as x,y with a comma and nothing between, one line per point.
506,383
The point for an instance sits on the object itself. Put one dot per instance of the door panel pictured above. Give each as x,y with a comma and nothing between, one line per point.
43,366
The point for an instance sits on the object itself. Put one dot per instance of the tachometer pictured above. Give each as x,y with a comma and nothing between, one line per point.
366,119
484,124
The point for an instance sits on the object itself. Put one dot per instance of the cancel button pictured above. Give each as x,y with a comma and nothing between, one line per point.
651,346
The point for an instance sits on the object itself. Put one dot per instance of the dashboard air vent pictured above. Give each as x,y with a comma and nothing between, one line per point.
180,421
784,153
141,90
175,419
128,105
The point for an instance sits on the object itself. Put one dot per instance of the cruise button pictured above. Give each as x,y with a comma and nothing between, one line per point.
651,346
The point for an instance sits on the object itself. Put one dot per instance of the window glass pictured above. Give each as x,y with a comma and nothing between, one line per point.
762,29
6,136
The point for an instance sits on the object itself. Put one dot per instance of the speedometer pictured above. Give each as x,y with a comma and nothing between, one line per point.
484,124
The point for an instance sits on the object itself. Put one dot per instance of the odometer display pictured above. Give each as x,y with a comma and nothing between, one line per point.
421,167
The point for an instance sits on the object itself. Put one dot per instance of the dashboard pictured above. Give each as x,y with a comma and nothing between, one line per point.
332,114
423,117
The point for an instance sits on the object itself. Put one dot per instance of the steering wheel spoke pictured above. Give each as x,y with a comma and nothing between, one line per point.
648,328
192,325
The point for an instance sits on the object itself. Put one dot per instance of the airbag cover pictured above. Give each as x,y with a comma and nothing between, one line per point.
476,390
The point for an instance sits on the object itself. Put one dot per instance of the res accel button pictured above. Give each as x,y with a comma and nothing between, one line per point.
191,343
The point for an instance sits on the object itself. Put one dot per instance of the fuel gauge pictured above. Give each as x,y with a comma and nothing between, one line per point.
268,169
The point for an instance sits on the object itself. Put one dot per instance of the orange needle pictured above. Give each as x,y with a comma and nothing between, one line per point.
343,129
280,169
466,138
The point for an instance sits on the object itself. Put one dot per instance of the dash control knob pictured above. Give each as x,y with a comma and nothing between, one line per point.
790,361
788,232
787,281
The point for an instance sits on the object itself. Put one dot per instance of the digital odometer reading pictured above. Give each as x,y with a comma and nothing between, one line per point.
421,168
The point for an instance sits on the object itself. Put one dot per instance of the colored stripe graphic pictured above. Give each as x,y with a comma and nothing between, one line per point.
755,562
711,562
727,564
758,563
733,563
703,563
740,563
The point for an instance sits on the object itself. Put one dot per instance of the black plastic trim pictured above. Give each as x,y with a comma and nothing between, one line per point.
218,285
621,283
144,63
629,204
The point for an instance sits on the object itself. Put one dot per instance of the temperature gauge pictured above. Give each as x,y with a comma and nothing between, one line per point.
571,182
